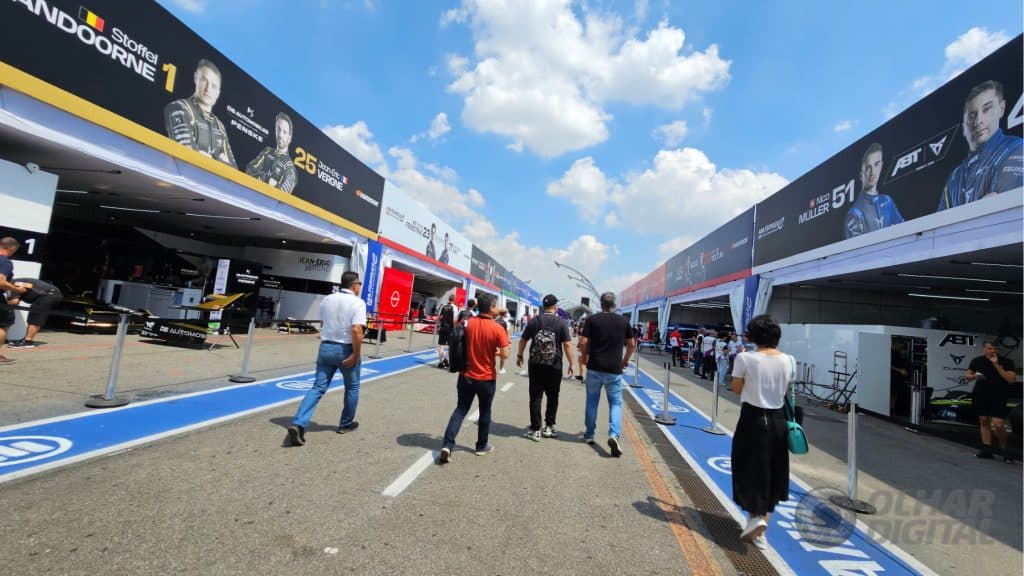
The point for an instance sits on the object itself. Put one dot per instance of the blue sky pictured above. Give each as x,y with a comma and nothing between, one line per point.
605,134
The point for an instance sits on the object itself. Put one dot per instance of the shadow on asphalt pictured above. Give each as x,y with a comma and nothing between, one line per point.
653,508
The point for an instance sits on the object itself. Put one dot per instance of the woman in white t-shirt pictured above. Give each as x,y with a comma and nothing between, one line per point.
760,452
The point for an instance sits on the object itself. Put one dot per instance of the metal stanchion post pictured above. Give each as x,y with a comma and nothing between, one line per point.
916,395
244,377
850,502
664,417
713,428
108,400
636,371
408,347
376,348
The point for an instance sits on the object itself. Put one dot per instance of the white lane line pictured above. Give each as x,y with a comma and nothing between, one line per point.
407,477
474,417
508,386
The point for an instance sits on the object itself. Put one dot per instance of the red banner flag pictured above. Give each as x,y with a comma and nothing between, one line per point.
460,297
395,298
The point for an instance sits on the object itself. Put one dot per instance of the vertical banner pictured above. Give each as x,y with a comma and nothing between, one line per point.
372,276
460,297
749,298
395,298
220,285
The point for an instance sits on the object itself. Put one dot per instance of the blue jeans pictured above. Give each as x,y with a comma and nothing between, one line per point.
612,384
328,361
468,389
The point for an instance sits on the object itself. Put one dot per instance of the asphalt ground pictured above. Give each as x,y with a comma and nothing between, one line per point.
953,512
235,499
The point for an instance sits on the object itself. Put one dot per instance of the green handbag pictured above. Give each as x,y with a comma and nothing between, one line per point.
794,431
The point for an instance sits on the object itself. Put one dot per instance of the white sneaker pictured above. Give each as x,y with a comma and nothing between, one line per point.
755,527
502,371
761,542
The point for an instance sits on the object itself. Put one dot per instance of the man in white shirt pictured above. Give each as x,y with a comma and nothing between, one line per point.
344,319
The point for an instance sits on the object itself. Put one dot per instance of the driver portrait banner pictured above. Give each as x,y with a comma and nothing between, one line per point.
487,269
136,69
961,144
410,224
395,298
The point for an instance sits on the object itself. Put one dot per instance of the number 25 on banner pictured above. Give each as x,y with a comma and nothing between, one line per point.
305,160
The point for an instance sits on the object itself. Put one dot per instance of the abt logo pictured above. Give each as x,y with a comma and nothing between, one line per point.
958,339
923,155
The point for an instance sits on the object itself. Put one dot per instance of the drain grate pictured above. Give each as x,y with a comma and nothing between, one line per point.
747,559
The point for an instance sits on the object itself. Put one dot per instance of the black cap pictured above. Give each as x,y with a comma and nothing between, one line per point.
550,300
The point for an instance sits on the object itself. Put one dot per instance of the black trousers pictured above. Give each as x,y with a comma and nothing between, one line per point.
760,460
544,380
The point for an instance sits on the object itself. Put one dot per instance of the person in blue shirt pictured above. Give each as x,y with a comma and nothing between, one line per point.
995,163
871,211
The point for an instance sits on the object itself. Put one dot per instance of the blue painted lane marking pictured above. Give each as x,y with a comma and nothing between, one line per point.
36,446
806,534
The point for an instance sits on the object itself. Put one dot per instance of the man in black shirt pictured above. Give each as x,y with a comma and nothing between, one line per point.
992,375
550,343
604,336
8,290
42,297
445,324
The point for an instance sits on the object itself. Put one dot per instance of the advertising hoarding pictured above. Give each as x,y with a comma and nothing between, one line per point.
139,62
721,256
406,221
485,268
958,145
652,286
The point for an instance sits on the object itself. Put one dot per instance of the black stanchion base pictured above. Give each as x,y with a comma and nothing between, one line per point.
667,420
858,506
241,379
374,356
104,402
636,385
713,430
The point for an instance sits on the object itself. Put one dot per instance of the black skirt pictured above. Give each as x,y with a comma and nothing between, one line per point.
760,460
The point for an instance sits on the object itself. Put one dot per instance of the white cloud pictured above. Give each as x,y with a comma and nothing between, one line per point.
968,49
541,75
683,190
358,141
611,219
843,125
535,263
585,186
618,283
194,6
672,247
707,117
453,15
436,193
438,127
640,8
671,134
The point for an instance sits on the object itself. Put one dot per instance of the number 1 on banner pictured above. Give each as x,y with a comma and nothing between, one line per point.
171,71
30,245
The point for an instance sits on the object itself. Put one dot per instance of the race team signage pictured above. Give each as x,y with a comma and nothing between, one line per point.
407,222
721,256
486,268
138,61
960,144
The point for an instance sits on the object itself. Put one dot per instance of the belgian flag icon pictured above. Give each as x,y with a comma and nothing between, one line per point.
90,18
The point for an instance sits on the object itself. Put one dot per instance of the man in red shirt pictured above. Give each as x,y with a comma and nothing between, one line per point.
675,341
485,339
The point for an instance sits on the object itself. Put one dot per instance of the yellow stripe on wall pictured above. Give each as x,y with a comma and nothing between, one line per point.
64,100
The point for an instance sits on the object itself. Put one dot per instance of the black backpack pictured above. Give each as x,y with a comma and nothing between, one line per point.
457,349
544,348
